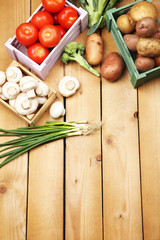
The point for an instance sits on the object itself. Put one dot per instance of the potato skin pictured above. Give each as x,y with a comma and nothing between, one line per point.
94,49
157,34
131,41
143,9
148,47
144,64
112,67
125,23
157,61
146,27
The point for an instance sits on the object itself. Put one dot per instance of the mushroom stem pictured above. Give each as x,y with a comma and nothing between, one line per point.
31,93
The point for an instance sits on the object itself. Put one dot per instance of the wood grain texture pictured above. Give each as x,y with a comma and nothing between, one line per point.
83,168
45,202
149,118
67,190
13,177
121,174
46,168
46,175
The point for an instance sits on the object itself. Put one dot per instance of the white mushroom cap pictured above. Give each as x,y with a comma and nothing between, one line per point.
13,74
57,110
42,89
68,86
12,102
10,90
24,105
3,97
42,100
26,79
29,84
2,78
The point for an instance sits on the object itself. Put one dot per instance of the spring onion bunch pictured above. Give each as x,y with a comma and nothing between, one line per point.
28,138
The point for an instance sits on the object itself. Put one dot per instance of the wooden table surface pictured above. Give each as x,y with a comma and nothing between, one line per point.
99,187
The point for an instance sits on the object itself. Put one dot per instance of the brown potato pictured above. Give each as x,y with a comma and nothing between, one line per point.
148,47
94,49
138,55
146,27
131,41
125,23
144,64
112,67
157,34
143,9
157,61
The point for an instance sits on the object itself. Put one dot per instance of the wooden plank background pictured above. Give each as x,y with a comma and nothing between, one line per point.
99,187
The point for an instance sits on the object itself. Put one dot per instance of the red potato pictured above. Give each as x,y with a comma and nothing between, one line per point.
146,27
157,34
131,41
144,64
112,67
157,61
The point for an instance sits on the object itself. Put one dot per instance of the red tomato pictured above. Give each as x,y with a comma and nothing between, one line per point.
27,33
67,17
55,18
53,5
37,52
42,18
49,36
62,30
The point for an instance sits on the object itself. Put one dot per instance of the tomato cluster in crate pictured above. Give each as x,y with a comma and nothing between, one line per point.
46,29
41,51
27,100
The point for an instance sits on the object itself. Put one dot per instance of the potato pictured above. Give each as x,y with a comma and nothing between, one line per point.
148,47
157,61
125,23
157,34
144,64
131,41
138,55
143,9
146,27
94,49
112,67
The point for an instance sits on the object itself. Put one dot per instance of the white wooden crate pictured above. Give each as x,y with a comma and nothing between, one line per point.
42,109
19,52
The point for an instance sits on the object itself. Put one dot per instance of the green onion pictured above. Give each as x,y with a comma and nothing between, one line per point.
28,138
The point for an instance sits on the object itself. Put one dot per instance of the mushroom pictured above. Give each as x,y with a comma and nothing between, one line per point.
68,86
10,90
2,78
30,116
13,74
42,89
3,97
57,110
24,105
28,84
41,100
12,102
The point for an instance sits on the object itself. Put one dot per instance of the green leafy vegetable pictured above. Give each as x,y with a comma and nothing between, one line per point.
31,137
73,52
96,12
